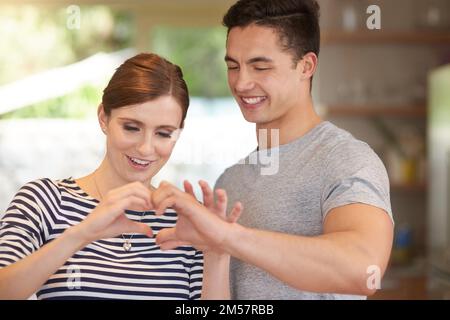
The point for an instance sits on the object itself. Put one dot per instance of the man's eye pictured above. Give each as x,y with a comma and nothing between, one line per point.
232,68
261,69
130,128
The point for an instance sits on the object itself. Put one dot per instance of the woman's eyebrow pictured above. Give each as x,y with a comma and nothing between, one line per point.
131,120
167,126
140,123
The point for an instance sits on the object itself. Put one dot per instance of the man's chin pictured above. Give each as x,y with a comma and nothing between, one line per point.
250,117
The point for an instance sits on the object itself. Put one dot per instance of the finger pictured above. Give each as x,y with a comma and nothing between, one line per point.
131,189
208,196
138,189
168,245
163,205
117,208
137,204
137,227
166,235
188,188
165,190
221,203
235,213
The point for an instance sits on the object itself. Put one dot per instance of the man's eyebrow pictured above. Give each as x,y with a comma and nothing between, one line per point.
229,59
259,59
250,61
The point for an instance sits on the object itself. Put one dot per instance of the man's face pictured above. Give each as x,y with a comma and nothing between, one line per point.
261,75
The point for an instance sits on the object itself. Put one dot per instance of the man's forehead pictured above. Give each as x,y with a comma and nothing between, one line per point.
252,34
248,53
252,41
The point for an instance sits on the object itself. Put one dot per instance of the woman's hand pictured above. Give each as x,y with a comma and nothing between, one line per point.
108,219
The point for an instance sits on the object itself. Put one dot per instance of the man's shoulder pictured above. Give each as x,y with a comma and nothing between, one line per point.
341,142
227,175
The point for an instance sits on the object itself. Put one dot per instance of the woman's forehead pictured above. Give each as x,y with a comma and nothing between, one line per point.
161,111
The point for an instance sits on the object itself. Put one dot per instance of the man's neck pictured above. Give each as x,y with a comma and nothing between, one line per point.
290,126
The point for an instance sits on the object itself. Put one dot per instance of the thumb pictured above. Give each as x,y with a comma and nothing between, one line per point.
172,244
165,235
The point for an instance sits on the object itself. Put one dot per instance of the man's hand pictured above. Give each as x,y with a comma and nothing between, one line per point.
203,226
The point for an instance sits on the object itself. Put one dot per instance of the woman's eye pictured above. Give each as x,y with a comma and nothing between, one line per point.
130,128
165,134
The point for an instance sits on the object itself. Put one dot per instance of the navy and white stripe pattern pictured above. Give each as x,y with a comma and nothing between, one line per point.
43,209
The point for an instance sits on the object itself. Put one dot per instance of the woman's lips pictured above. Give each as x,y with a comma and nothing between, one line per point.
139,163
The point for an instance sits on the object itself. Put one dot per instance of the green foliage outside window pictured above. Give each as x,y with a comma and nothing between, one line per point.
36,38
200,52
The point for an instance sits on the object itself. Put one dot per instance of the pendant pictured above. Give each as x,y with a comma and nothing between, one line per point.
127,246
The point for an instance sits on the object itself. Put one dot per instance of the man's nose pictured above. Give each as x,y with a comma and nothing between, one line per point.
244,82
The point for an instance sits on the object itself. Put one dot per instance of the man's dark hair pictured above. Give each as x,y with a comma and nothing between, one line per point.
296,22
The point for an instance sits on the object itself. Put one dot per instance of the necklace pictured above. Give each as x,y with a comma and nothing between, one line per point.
127,242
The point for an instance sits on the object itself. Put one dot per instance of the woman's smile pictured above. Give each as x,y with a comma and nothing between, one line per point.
139,163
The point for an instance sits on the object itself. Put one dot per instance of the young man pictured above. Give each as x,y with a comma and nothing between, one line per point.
318,227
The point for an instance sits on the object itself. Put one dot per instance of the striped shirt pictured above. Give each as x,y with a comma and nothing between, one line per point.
43,209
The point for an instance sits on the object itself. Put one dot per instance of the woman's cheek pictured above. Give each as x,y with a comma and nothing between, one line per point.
123,142
166,149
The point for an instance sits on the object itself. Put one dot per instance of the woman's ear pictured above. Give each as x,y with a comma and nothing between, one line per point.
102,118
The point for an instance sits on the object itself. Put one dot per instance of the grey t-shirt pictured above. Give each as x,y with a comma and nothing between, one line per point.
324,169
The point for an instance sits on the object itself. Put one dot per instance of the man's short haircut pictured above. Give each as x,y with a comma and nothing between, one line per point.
295,21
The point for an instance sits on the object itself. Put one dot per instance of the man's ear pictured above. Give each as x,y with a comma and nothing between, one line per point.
102,118
308,65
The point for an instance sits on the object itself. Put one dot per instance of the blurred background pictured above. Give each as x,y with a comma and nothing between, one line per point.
389,87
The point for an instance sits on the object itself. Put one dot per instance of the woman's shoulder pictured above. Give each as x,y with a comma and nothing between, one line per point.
49,188
40,184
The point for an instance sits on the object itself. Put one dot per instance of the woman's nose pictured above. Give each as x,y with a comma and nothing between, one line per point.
146,146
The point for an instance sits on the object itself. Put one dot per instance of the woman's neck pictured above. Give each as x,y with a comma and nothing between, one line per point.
106,178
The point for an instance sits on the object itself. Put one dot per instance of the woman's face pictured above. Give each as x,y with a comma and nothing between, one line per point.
140,138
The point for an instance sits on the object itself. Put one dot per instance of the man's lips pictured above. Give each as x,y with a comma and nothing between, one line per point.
252,102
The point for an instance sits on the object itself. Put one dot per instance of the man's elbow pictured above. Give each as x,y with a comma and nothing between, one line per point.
367,291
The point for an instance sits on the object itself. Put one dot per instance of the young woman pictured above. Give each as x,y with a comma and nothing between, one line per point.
93,237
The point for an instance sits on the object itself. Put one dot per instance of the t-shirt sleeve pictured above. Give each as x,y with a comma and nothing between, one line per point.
355,174
21,231
220,183
196,276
